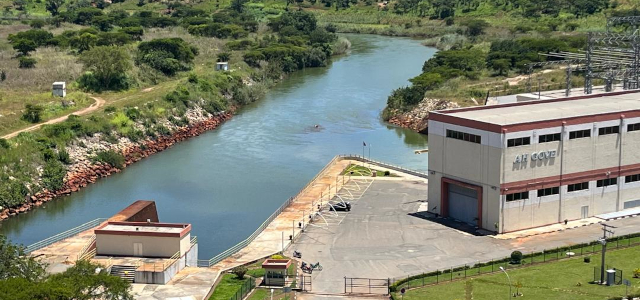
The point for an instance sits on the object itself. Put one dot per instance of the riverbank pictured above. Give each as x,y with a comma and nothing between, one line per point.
84,171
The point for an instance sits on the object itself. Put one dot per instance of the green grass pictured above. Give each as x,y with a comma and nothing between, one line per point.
359,170
566,279
227,287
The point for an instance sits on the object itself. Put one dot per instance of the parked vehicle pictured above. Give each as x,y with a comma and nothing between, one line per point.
297,254
306,268
340,206
316,266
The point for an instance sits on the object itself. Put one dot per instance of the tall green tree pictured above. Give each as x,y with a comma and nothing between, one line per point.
15,264
53,6
108,64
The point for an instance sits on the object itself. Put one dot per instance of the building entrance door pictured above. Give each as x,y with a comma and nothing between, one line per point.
585,212
463,204
137,249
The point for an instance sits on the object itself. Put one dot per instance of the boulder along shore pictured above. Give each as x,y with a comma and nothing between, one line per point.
84,171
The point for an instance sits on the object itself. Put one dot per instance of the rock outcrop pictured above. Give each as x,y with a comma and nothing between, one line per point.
417,118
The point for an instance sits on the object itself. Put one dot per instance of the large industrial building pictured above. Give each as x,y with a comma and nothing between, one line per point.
521,165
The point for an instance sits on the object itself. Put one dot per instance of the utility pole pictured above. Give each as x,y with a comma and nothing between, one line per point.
603,241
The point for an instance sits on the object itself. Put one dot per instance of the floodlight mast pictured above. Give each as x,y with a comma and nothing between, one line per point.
603,241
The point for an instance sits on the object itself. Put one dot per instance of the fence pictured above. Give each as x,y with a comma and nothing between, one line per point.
384,165
366,285
244,290
469,270
218,258
63,235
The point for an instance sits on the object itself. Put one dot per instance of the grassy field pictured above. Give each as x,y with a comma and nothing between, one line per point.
567,279
227,287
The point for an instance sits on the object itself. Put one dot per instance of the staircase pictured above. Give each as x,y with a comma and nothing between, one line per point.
127,273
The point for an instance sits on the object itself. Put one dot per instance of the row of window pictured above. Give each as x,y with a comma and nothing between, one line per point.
578,134
572,187
545,138
464,136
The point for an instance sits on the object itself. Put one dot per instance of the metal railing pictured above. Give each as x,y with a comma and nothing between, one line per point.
63,235
384,165
88,255
194,241
218,258
157,267
87,246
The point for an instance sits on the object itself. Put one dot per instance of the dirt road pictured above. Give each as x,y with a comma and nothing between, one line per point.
99,103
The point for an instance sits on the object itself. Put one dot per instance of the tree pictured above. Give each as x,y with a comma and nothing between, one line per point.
24,46
53,6
103,23
33,113
24,278
37,23
238,5
501,66
14,263
168,55
476,27
108,64
84,41
239,271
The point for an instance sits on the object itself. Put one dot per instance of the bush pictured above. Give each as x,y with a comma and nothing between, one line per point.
53,175
63,157
636,273
277,256
111,157
33,113
587,259
37,23
26,62
387,173
516,257
239,271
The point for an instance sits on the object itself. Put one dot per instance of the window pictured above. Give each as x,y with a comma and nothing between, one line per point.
633,127
464,136
548,191
549,138
517,196
518,142
579,134
578,186
632,178
607,182
608,130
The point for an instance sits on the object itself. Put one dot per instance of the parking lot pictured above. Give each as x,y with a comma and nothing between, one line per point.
382,238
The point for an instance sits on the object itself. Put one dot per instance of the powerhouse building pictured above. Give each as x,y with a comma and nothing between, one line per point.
522,165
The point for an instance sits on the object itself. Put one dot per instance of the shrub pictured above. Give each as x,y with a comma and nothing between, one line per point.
37,23
277,256
33,113
516,257
26,62
636,273
4,144
63,157
387,173
239,271
587,259
111,157
53,175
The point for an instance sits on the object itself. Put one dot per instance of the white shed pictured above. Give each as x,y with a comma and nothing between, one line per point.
59,89
224,66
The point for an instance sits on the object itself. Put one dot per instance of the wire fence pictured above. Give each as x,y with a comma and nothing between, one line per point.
469,270
384,165
63,235
244,289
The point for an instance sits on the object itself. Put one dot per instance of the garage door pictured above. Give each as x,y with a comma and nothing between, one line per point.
463,204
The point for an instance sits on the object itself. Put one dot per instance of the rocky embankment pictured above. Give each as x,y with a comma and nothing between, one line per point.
85,171
417,118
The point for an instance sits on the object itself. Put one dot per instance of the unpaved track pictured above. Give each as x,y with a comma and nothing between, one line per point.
99,103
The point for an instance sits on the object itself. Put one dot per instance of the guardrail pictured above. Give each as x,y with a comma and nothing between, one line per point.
218,258
385,165
63,235
86,246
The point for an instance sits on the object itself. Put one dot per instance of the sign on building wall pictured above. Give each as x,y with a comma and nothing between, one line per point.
535,156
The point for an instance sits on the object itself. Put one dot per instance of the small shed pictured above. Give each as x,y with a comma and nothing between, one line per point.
222,66
59,89
275,271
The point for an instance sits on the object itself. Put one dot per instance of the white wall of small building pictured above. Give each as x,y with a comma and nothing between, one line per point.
152,246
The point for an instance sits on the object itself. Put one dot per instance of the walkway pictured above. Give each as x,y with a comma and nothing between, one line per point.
99,103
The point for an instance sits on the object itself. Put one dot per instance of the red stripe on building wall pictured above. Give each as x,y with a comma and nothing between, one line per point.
573,178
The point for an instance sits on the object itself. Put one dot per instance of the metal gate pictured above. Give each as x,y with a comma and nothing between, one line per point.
463,204
304,283
366,285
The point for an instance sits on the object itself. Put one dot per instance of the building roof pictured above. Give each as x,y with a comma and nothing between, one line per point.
144,229
271,263
572,110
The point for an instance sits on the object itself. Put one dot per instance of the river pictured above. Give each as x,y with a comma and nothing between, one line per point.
226,182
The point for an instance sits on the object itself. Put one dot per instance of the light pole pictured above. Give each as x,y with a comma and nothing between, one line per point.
505,273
